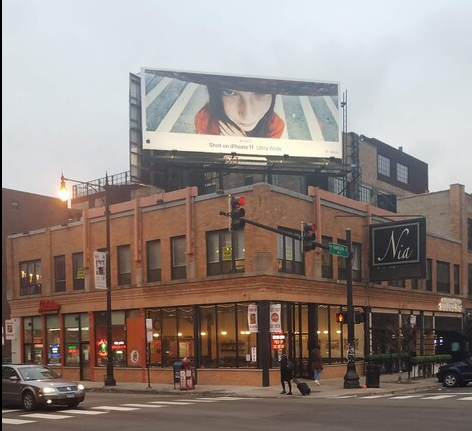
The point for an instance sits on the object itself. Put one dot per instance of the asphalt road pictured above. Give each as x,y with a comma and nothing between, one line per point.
432,411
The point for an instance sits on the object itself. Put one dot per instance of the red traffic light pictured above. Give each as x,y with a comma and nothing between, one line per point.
308,237
237,212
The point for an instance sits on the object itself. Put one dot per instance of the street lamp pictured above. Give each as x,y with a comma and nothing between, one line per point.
351,378
64,194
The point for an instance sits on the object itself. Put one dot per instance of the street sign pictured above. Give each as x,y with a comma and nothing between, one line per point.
338,249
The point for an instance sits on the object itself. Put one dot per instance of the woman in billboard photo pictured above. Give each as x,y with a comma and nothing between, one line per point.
239,113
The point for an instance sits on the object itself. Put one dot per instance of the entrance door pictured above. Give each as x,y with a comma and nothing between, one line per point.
85,361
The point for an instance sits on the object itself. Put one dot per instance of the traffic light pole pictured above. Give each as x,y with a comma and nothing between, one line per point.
351,378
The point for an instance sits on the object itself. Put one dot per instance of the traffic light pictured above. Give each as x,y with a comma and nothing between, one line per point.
341,317
308,237
358,317
236,212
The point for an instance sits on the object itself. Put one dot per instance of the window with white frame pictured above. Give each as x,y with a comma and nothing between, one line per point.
365,194
402,173
383,165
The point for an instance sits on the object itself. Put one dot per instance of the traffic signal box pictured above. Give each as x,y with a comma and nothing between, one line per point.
308,237
236,212
342,317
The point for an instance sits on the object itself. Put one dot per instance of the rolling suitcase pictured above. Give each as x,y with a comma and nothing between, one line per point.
302,387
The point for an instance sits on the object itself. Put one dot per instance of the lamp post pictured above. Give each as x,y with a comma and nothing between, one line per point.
351,378
63,193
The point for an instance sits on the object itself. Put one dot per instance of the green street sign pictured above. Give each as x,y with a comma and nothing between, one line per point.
338,249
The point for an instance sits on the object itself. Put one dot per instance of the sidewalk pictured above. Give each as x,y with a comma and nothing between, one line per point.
329,388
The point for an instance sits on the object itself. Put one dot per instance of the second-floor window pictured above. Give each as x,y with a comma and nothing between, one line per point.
78,272
443,284
124,265
457,286
30,278
225,252
383,165
356,263
429,275
290,256
179,258
326,259
153,260
60,273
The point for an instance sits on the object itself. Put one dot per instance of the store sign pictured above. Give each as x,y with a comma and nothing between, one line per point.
398,250
10,329
278,341
450,304
275,320
47,306
252,318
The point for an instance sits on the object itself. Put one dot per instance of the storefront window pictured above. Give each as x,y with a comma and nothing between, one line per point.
227,342
208,336
53,340
76,331
170,351
185,333
33,336
118,338
247,356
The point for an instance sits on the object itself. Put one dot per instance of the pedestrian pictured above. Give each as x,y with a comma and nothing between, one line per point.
316,364
286,374
232,112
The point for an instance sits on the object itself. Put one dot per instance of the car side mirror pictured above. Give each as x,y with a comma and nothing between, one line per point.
14,378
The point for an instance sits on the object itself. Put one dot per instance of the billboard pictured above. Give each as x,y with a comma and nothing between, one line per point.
398,250
234,115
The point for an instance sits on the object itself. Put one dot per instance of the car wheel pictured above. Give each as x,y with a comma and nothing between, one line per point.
73,404
450,380
29,401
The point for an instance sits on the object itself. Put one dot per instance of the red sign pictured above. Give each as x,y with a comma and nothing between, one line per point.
48,306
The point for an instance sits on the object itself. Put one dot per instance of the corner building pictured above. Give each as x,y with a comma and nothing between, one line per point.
175,261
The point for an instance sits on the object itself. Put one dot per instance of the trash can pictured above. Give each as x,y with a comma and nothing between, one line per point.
372,376
177,366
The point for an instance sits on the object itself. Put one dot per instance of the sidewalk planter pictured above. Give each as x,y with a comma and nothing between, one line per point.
388,362
427,366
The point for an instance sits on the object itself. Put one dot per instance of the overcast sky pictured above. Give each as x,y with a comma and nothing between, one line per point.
406,67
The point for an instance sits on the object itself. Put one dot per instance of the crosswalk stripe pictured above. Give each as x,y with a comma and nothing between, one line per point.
405,397
465,399
142,405
171,403
437,397
115,408
201,400
82,412
10,410
45,416
376,396
231,398
15,421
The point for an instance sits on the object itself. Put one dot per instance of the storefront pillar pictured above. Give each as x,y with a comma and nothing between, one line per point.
263,341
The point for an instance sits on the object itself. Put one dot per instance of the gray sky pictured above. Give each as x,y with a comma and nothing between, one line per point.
406,67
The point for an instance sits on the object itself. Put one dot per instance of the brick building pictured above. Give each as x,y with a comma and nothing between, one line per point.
174,261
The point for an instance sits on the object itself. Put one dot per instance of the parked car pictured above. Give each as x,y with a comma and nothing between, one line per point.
31,385
456,373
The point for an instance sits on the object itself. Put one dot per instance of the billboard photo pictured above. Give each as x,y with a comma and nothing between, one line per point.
227,115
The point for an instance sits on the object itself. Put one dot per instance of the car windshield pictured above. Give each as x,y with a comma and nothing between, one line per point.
38,373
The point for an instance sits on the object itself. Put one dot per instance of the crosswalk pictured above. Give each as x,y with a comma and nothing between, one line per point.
28,418
457,396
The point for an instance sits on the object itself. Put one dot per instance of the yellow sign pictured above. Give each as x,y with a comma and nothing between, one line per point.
227,253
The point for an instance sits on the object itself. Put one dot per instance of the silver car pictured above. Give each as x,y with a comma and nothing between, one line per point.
31,385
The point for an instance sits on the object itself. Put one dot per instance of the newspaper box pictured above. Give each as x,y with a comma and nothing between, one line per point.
187,378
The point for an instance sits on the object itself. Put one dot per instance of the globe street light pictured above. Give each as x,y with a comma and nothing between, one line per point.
64,194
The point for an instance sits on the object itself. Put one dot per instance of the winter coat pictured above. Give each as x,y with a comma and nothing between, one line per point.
316,361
